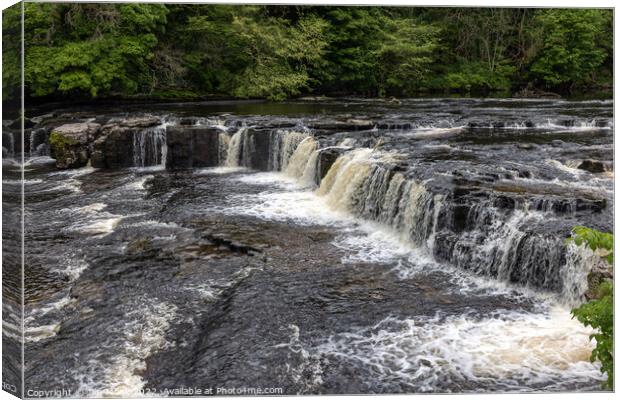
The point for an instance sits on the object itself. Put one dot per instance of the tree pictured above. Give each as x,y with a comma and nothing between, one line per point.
571,52
90,48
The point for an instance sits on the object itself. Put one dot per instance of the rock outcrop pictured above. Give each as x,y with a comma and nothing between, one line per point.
192,146
114,147
70,144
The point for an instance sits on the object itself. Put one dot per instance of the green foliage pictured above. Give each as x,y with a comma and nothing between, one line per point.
106,49
11,52
595,240
275,52
475,76
60,144
571,52
599,313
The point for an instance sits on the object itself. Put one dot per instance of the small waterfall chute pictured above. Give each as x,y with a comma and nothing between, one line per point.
150,147
235,148
300,163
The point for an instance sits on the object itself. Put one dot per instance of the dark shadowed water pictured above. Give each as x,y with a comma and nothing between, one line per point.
430,258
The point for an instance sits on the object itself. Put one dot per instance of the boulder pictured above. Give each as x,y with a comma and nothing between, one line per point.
192,146
70,144
593,166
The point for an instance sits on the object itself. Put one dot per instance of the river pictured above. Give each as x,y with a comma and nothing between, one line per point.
428,255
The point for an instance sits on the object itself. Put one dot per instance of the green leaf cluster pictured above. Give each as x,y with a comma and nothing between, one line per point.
571,53
595,240
599,313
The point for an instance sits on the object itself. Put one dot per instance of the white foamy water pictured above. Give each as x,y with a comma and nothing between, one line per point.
100,224
273,179
511,351
299,207
35,331
372,243
138,183
219,170
71,267
432,132
143,334
75,172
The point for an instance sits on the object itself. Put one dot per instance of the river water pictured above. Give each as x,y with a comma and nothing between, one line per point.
429,258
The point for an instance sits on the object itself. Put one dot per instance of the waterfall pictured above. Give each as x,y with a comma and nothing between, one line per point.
309,176
234,148
223,145
480,237
282,146
484,239
302,163
580,260
246,146
150,147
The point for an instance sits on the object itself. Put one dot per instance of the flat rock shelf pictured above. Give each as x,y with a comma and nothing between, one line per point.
331,246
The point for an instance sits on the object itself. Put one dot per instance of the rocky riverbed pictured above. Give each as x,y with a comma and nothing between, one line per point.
327,246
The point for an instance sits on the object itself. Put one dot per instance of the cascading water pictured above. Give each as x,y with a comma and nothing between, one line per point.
223,145
488,241
282,146
150,147
421,256
234,148
302,163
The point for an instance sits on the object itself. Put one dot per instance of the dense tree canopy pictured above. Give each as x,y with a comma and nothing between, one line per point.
83,50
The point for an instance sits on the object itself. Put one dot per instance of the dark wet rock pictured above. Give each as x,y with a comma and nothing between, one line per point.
396,125
70,144
557,143
17,124
593,166
37,137
504,202
11,141
601,272
350,124
527,146
256,146
188,121
326,159
190,147
114,148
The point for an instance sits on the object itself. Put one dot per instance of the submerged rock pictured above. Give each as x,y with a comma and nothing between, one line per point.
70,144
